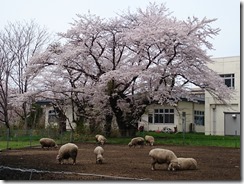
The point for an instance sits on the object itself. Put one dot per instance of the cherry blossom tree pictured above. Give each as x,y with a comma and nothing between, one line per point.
128,62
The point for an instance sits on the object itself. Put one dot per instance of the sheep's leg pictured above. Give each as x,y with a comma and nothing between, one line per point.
74,160
153,164
96,159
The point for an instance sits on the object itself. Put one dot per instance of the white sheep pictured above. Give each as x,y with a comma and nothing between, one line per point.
136,141
100,139
162,156
149,140
184,164
67,151
48,142
99,154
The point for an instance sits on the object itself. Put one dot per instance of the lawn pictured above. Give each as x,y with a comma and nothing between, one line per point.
191,139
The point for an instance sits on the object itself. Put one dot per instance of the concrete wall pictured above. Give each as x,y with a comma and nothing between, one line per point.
214,112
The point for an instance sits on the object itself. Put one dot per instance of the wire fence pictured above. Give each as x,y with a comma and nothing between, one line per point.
17,138
10,138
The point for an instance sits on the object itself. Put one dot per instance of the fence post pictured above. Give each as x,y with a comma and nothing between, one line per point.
8,137
235,138
30,136
183,125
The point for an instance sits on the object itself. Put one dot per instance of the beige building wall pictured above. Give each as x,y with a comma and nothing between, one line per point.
183,106
214,111
68,113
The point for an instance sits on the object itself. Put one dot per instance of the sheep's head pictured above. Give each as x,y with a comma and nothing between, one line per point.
130,144
100,159
58,158
174,165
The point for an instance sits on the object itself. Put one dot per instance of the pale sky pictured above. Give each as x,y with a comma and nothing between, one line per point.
57,14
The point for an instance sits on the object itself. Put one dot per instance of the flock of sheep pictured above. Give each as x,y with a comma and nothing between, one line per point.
158,155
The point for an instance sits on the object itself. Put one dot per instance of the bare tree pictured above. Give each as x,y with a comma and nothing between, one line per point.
6,64
19,42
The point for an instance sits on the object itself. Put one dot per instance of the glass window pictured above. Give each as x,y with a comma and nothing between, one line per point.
229,80
161,116
150,118
199,117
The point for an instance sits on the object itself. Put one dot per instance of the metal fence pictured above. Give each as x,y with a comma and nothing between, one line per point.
16,138
26,138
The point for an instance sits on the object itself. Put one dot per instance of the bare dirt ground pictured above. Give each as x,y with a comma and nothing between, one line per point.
121,163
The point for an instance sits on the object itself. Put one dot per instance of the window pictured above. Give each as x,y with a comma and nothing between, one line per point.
52,116
229,80
199,117
161,116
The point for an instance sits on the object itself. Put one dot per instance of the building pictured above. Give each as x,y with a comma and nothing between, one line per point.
187,116
207,115
222,119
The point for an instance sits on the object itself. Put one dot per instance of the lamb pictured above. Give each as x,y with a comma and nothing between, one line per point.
136,141
48,142
149,140
162,156
100,139
99,154
67,151
184,164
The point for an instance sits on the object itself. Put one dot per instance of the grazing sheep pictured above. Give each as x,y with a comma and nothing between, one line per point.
184,164
48,142
136,141
149,140
67,151
99,154
162,156
100,139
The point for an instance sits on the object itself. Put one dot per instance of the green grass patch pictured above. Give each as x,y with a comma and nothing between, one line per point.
194,139
17,144
191,139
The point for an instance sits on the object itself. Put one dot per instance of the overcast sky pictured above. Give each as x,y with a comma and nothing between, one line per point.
57,14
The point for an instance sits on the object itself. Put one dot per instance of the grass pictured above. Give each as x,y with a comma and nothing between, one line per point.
190,139
194,139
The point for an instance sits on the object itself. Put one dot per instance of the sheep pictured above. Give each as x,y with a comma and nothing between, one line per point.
48,142
67,151
136,141
100,139
149,140
98,151
162,156
184,164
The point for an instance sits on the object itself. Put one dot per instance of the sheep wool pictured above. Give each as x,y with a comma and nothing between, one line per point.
67,151
149,140
98,151
136,141
184,164
162,156
48,142
100,139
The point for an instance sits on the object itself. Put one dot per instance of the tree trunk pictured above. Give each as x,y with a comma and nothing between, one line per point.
119,115
128,122
108,124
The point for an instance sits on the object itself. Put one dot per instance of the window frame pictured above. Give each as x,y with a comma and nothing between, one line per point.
199,115
227,77
162,116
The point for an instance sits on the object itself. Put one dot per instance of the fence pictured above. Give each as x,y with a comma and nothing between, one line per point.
27,138
16,138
